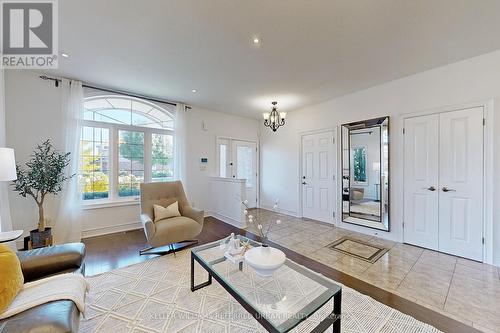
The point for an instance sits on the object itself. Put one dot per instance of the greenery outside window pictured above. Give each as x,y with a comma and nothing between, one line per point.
125,141
130,162
162,165
359,164
94,163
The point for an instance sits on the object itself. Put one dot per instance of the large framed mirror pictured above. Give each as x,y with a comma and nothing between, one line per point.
365,173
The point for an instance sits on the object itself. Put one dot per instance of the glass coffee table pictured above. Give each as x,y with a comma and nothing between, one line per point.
279,303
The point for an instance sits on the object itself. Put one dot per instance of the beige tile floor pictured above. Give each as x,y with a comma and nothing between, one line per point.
462,289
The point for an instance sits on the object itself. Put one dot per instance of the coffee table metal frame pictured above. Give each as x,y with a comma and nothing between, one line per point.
332,320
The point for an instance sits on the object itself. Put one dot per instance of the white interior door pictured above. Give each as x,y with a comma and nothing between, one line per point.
443,181
318,175
461,183
245,167
421,207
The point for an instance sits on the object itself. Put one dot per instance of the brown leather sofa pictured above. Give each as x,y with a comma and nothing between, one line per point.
54,317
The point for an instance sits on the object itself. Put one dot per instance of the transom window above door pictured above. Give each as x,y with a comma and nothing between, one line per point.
125,141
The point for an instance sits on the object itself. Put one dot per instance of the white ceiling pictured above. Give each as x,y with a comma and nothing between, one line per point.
311,50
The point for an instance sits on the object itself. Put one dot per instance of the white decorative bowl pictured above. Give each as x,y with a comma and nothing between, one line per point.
265,260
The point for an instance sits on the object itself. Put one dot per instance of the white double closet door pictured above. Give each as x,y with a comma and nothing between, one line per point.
443,182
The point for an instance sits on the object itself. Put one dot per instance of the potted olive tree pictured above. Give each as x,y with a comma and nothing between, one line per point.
44,174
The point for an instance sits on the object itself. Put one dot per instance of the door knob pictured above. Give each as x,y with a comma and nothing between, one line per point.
304,183
445,189
430,188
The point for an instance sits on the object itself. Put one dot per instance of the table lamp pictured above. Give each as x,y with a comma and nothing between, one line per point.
7,165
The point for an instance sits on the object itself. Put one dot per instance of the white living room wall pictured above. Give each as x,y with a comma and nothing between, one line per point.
34,113
472,80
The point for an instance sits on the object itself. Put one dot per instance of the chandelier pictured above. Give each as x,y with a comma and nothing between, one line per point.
274,119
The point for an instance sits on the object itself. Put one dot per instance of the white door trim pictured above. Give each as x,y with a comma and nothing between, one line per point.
488,156
334,221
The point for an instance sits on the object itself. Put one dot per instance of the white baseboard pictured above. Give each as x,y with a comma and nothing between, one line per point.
282,211
496,261
226,219
111,229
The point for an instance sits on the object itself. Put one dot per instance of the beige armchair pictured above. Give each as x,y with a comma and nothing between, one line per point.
171,231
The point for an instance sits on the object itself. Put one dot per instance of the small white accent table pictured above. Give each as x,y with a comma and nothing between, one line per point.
10,236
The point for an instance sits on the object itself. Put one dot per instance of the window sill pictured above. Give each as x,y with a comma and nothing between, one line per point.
109,204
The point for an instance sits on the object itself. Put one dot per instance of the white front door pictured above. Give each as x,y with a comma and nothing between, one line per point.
461,183
245,167
421,224
318,172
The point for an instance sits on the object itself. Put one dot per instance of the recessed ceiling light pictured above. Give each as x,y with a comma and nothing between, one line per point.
65,55
194,90
256,40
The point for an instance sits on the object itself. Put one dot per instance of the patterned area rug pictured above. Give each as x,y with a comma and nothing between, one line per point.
154,296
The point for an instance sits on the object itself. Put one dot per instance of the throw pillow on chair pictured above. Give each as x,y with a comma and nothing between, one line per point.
166,212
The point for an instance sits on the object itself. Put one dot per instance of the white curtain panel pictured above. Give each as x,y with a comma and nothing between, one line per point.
68,224
180,144
5,220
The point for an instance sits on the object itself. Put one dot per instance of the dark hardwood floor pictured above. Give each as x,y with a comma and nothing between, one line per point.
108,252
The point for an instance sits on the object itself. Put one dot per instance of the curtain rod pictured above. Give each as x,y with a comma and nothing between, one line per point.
86,85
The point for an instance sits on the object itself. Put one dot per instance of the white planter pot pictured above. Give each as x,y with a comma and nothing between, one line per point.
265,260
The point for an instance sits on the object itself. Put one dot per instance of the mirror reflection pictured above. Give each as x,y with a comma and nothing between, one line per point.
365,173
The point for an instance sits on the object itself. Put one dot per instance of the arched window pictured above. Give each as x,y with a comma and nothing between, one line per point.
125,141
126,110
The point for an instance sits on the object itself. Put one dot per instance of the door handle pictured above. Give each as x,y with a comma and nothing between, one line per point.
304,183
430,188
445,189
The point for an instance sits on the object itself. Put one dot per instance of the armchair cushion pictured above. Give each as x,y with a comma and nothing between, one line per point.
193,213
175,229
166,212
